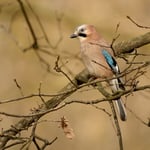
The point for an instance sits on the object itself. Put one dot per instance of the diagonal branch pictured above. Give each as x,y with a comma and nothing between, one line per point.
29,24
129,45
81,78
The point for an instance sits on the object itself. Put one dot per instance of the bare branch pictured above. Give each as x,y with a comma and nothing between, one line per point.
18,86
34,45
102,109
137,117
58,69
129,45
140,26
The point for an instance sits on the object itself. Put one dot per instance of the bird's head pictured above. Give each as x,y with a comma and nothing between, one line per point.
85,32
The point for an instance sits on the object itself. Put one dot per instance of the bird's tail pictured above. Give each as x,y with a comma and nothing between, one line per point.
117,85
121,109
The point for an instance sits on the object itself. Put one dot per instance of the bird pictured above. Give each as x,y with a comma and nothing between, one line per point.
99,60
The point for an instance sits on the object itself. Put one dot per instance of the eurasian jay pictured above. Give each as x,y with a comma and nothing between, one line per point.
99,60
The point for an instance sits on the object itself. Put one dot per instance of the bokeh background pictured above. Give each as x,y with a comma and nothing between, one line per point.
93,128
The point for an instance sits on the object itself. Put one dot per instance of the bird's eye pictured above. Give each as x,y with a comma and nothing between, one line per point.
82,30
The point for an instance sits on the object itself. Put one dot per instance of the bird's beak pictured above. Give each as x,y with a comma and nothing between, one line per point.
74,35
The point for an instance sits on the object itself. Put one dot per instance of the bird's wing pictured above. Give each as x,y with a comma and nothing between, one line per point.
114,67
111,62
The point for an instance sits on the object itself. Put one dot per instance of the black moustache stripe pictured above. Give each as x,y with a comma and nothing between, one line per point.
82,35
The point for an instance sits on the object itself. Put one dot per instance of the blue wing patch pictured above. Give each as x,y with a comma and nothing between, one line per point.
114,67
110,61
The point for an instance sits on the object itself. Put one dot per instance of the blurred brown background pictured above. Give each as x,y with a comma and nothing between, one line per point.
93,128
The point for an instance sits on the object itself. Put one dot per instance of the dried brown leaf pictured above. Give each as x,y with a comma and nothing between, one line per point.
68,131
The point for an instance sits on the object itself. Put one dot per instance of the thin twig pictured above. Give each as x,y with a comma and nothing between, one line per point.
42,99
102,109
58,69
137,117
39,22
19,87
13,144
115,38
35,44
138,25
